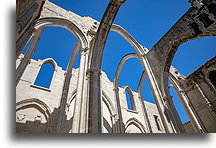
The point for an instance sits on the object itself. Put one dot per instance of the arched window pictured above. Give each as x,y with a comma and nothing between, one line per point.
45,75
212,77
130,99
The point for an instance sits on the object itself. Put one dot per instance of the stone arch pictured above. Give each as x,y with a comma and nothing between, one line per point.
57,22
120,66
139,88
175,79
71,97
140,50
39,106
128,89
109,103
171,54
135,122
63,23
34,101
48,61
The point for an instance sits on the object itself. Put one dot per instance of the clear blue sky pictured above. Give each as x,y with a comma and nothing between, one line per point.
147,21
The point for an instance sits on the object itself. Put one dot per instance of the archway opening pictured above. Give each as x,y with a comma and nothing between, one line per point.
116,47
189,57
131,74
193,54
130,99
56,43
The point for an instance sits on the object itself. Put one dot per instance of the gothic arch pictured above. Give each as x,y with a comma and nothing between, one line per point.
38,105
135,122
47,61
57,22
108,103
141,50
120,66
141,83
43,107
128,89
171,54
71,97
63,23
50,61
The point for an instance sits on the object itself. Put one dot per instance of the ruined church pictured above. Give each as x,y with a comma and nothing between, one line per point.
84,100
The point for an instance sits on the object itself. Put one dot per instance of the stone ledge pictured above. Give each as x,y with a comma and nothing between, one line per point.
39,87
132,111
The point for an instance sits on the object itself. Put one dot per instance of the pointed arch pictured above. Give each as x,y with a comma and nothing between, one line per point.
108,102
49,73
130,100
40,106
135,122
44,108
63,23
120,66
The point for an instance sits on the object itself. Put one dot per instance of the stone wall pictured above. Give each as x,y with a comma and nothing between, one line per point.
29,94
201,93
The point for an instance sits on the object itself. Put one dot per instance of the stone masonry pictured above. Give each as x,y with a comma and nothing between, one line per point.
84,100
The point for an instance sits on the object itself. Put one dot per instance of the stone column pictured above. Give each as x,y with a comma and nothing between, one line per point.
145,113
85,105
62,114
79,106
22,66
23,40
119,121
190,112
158,97
94,119
173,113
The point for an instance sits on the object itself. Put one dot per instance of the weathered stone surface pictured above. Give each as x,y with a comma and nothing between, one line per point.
84,100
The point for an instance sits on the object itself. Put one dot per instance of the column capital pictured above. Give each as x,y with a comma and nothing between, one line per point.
93,73
116,89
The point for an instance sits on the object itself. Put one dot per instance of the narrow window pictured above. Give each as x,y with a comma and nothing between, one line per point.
158,123
45,75
212,77
130,99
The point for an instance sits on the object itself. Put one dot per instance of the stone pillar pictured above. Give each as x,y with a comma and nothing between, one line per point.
62,114
190,112
119,121
145,113
23,40
85,104
173,113
94,119
158,97
22,66
80,104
